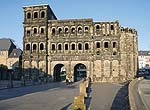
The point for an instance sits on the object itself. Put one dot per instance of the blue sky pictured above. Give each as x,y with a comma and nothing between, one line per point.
130,13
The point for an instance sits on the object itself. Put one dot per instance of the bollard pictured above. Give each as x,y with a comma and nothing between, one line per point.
79,103
86,83
83,89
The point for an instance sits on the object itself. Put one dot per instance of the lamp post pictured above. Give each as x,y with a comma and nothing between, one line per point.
10,71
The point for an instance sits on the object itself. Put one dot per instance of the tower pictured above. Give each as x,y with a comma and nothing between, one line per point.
35,39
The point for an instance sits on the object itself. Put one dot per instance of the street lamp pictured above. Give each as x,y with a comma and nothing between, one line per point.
10,71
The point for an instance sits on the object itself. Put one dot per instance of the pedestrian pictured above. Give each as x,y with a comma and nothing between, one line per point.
67,81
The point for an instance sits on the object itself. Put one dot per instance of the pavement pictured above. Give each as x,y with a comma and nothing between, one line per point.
52,96
59,96
109,96
138,102
144,92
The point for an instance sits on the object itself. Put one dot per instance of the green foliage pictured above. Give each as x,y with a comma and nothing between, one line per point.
3,67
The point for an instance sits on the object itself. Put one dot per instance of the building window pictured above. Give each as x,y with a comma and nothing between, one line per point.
114,53
28,32
28,47
97,27
114,44
86,29
35,14
73,47
97,45
98,52
28,15
66,30
66,46
112,27
53,46
42,14
53,31
34,46
79,29
42,30
73,30
41,46
106,45
35,31
59,46
86,46
59,30
80,46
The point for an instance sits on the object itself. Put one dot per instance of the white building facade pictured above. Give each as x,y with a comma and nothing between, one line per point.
144,59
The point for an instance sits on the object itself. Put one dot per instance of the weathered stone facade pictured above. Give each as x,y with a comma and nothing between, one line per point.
107,50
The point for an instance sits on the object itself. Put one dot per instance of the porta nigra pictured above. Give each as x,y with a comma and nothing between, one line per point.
77,48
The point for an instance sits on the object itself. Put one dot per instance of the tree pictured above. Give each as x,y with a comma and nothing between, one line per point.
3,71
3,67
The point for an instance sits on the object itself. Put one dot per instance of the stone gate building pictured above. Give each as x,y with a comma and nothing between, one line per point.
105,51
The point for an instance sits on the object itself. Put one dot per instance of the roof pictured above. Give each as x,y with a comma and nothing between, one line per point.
73,20
15,53
144,53
36,5
5,44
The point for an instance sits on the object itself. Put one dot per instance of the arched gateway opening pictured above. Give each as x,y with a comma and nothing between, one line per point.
59,73
79,72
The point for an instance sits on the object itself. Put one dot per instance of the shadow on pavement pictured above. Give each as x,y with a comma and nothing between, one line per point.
66,107
121,101
16,92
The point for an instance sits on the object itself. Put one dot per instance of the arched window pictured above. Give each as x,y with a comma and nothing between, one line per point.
42,14
98,52
97,45
59,30
66,30
80,46
114,53
73,46
112,27
86,29
59,46
41,46
97,27
34,46
106,45
35,14
73,30
66,46
79,29
42,30
53,31
86,46
28,15
53,46
114,44
28,47
28,32
35,31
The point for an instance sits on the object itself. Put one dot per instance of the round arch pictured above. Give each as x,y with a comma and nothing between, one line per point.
80,72
59,73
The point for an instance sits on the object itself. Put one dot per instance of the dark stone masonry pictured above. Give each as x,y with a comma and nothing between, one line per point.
103,51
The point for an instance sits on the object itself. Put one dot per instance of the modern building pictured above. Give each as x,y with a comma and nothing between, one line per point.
144,59
103,51
10,56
